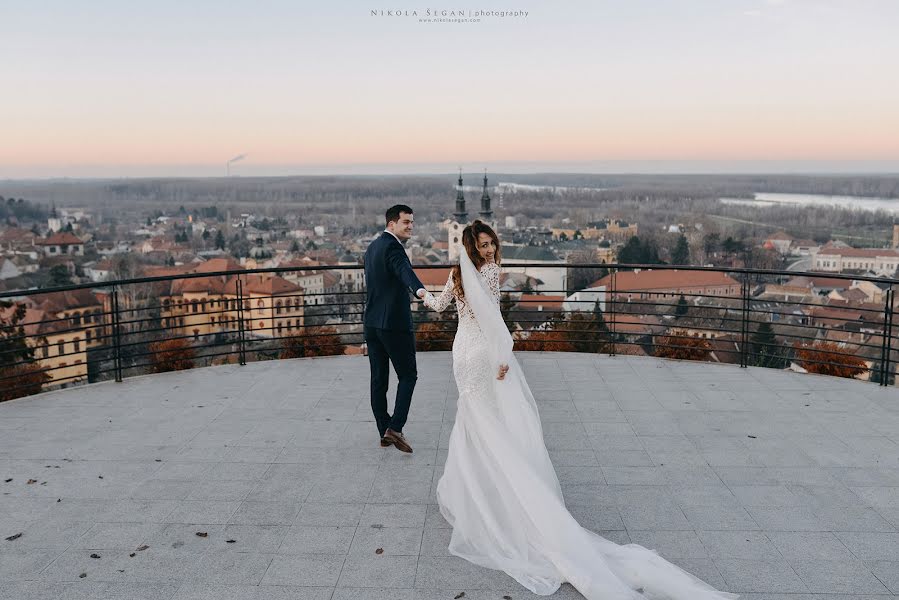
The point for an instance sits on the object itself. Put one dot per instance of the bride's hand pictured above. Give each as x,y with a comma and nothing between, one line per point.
503,369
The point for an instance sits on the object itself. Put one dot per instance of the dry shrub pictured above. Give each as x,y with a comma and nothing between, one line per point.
552,340
21,380
683,348
433,336
827,358
171,355
314,341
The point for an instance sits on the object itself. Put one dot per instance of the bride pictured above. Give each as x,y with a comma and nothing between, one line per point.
499,490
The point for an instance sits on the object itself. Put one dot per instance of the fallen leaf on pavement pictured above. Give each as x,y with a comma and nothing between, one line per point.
13,537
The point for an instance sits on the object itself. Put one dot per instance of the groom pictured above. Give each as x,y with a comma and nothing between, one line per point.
388,324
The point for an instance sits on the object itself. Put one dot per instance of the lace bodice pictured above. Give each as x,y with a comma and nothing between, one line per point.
490,272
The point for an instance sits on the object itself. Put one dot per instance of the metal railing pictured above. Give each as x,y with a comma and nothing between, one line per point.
140,325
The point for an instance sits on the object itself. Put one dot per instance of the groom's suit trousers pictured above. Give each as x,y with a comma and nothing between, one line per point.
384,347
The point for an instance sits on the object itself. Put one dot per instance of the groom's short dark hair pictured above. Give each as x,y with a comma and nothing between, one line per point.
393,213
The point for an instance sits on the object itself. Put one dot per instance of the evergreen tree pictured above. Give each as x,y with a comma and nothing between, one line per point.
59,276
13,341
710,243
766,351
585,331
219,240
631,252
682,308
731,245
638,252
681,254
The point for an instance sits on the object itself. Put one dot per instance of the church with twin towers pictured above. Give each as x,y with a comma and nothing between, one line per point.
461,219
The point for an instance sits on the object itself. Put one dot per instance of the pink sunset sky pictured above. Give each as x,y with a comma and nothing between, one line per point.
105,89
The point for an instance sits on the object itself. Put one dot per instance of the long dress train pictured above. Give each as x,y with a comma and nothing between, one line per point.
499,490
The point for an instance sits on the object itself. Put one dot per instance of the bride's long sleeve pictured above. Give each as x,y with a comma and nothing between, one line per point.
439,303
491,273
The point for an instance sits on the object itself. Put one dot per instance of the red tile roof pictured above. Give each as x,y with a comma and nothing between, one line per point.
432,277
157,271
830,282
37,322
536,301
638,324
214,265
858,252
647,280
271,285
60,239
60,301
16,235
209,285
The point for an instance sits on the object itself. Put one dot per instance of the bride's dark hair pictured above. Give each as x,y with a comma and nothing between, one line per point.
470,243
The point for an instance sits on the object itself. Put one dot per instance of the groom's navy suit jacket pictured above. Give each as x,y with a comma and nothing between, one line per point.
388,280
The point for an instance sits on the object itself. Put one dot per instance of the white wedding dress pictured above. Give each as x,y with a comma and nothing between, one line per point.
499,490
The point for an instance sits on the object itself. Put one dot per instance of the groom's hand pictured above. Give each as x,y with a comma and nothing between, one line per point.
503,369
421,293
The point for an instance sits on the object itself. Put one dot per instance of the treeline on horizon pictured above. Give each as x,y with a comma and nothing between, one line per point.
355,205
300,188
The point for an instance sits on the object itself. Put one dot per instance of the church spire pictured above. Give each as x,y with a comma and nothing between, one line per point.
486,214
461,214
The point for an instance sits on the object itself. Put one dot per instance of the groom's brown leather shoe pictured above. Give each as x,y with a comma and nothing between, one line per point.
385,442
398,440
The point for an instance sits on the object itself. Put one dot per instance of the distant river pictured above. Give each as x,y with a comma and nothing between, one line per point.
853,202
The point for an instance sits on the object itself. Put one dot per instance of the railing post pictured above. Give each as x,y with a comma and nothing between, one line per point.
611,303
744,322
241,326
886,349
116,336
